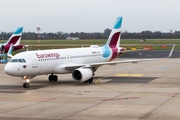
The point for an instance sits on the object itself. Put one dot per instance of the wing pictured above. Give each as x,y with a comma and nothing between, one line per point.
74,66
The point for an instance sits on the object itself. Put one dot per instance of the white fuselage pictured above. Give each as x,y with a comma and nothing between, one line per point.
81,62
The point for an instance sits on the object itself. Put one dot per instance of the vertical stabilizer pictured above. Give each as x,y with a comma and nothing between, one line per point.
15,37
114,37
112,44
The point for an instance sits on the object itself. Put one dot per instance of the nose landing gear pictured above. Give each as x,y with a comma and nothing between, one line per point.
26,84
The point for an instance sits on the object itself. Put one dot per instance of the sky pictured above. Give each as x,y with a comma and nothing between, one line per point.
89,15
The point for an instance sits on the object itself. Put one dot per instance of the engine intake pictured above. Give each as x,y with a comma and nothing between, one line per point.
82,74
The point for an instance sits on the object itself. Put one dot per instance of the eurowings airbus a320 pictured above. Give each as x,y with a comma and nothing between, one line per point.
81,62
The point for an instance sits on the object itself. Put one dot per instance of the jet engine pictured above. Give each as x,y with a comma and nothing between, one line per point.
82,74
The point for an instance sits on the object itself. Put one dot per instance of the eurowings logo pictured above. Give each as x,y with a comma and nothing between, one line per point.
48,55
24,66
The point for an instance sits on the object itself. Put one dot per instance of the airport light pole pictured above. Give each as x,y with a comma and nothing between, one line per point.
38,29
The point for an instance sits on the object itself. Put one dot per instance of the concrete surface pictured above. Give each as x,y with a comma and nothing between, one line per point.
143,91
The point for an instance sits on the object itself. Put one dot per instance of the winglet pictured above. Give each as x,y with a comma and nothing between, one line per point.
170,54
10,51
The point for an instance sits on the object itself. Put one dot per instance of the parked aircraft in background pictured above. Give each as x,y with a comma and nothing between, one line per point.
81,62
15,40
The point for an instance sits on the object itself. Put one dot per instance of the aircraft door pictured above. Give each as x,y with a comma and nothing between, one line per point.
34,61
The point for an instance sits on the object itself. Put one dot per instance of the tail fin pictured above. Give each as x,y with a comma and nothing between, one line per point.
112,44
114,37
15,37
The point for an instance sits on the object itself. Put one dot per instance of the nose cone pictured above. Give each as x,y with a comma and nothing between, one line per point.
8,69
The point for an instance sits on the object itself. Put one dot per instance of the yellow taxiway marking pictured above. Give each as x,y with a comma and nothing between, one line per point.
134,75
123,75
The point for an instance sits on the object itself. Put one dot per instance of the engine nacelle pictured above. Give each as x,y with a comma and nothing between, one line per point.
82,74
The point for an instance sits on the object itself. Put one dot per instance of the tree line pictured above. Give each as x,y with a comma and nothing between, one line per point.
95,35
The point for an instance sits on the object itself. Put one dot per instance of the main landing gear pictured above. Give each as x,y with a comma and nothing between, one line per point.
53,78
89,81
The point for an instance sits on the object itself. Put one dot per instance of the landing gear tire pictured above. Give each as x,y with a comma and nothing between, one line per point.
91,80
26,85
53,78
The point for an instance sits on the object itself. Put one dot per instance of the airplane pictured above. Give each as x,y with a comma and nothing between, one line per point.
81,62
15,40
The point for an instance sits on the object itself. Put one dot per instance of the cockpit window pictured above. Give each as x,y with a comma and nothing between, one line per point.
10,60
17,60
20,60
14,60
24,60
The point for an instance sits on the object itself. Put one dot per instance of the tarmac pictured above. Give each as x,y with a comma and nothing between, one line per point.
144,91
